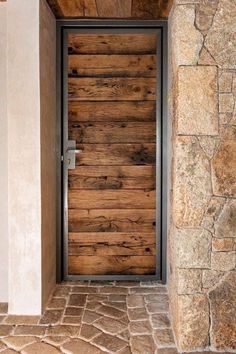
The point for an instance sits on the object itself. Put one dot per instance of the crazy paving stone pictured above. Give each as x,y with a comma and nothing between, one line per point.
160,320
90,317
135,301
51,317
30,330
108,342
79,346
110,325
18,343
164,337
5,330
63,330
77,300
137,314
110,311
140,327
40,348
88,332
142,344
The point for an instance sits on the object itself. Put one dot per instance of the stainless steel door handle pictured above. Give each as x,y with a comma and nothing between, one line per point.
71,152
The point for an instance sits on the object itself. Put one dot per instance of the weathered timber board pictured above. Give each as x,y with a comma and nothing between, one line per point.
112,89
111,199
144,111
113,132
109,220
116,154
112,44
112,65
90,265
114,243
112,177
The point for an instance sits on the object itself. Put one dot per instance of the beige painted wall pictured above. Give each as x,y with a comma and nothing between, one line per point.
31,119
3,157
48,146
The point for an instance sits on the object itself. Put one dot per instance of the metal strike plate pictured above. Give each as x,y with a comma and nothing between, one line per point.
71,152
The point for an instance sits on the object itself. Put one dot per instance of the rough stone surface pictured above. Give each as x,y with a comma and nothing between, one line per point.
109,342
225,226
210,278
194,246
189,281
160,320
197,102
20,342
164,338
140,327
223,316
205,12
79,346
142,344
221,38
225,81
192,184
194,321
226,103
40,348
223,244
223,261
224,180
212,213
205,58
187,41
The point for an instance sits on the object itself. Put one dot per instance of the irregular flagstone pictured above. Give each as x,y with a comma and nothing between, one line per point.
194,248
126,350
125,335
63,330
148,290
40,348
194,322
135,301
18,343
84,290
89,332
117,298
56,303
197,114
72,320
160,320
117,305
187,41
2,345
62,291
90,317
5,330
164,338
56,340
142,344
113,290
74,311
110,325
161,298
157,307
140,327
221,38
192,183
170,351
80,346
223,310
3,307
110,311
11,319
77,300
30,330
225,225
51,317
108,342
9,351
137,314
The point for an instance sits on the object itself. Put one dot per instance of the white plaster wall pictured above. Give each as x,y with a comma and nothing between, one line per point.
24,182
3,157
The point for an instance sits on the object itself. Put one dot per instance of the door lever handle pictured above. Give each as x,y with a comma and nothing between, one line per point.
76,151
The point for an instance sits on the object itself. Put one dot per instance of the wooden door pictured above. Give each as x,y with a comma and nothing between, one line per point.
112,90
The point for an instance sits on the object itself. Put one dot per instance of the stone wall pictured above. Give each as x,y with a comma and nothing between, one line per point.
202,237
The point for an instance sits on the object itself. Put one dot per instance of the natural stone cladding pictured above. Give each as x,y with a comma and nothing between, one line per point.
202,236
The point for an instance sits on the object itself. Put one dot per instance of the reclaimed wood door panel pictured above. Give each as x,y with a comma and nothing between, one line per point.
116,154
112,65
112,220
112,90
126,111
112,177
111,199
112,44
111,244
112,132
89,265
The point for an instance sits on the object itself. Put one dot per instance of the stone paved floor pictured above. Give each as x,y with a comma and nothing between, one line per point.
92,318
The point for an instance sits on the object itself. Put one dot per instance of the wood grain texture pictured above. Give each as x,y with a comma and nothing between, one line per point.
114,8
111,199
112,44
112,65
117,132
112,111
78,8
112,220
116,154
111,265
112,244
112,177
112,89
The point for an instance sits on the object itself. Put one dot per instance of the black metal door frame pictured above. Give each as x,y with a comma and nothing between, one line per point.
108,26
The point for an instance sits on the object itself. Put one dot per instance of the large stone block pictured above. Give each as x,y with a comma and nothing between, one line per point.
193,322
225,226
186,39
212,212
221,38
223,313
223,261
197,101
205,12
224,169
194,248
189,281
192,182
